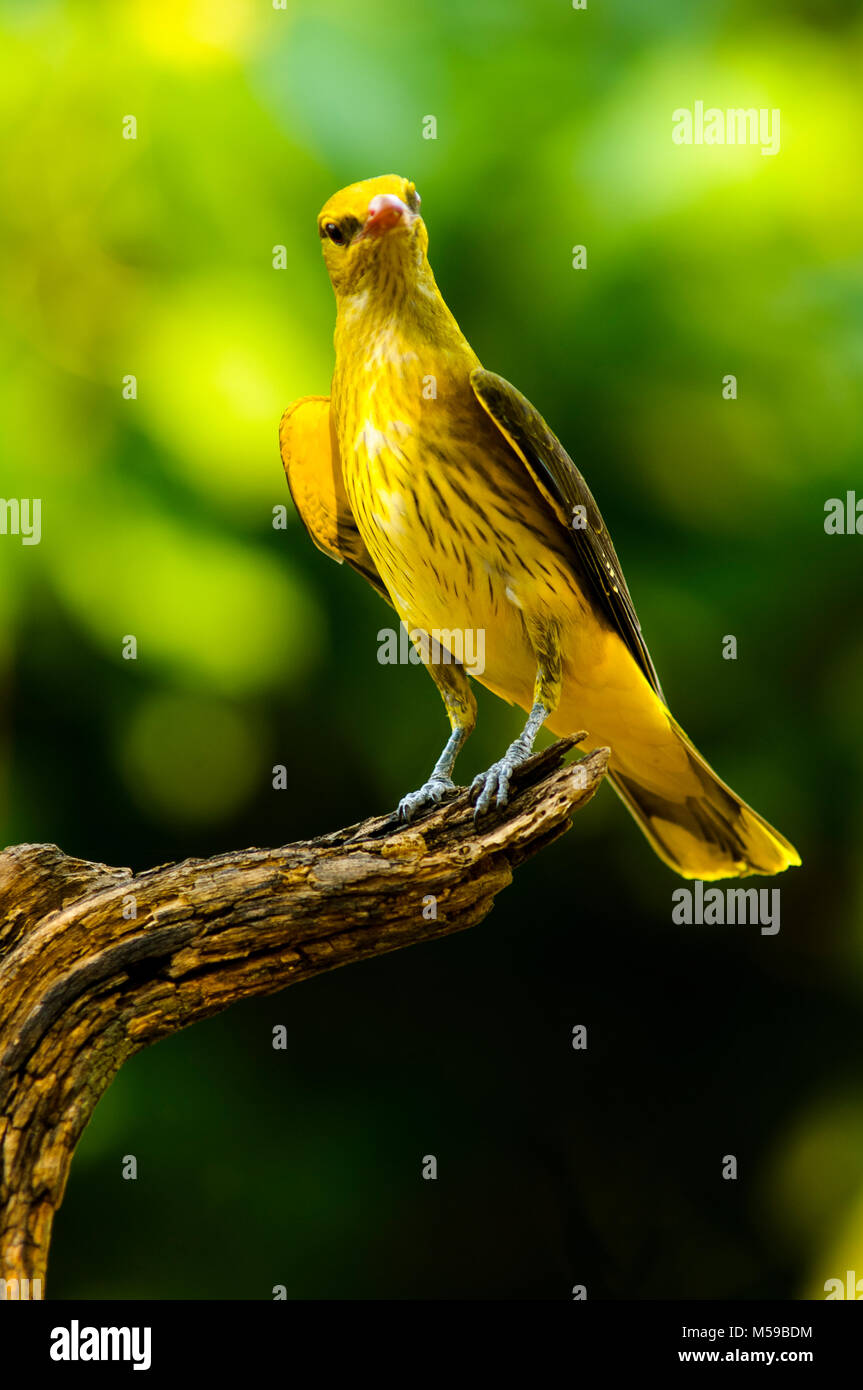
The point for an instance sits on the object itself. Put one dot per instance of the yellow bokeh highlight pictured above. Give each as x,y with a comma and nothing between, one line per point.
193,32
213,361
811,1192
189,759
204,609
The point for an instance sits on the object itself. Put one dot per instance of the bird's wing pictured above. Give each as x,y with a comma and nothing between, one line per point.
314,476
564,489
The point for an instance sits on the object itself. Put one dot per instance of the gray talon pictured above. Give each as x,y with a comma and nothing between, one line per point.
431,793
495,782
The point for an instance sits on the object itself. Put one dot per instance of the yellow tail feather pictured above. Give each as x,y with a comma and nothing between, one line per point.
698,825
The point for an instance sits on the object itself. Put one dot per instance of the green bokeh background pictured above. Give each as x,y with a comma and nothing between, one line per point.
153,257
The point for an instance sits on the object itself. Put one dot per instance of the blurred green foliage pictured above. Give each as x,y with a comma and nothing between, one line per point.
153,257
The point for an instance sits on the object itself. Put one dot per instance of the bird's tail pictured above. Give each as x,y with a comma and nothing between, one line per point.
697,824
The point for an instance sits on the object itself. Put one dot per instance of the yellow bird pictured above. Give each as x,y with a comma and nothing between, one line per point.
444,487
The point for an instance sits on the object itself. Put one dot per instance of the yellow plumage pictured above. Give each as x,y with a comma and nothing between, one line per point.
440,484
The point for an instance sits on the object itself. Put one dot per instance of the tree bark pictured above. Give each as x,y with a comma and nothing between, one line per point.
97,963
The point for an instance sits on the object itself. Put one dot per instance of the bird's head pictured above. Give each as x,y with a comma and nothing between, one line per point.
372,233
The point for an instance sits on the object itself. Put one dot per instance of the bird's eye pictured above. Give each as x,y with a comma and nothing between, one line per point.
335,233
413,199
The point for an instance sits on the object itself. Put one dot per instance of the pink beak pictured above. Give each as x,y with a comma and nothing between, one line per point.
386,211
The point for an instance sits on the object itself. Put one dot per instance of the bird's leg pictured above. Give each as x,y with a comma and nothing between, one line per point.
495,782
546,695
458,698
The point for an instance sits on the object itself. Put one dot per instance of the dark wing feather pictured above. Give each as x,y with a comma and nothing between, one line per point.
564,488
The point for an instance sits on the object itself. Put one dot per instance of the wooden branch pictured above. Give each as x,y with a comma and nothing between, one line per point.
97,963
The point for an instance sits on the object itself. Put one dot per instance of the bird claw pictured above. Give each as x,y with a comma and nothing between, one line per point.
494,783
431,793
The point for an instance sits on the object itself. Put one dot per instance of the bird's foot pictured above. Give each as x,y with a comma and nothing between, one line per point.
431,793
494,783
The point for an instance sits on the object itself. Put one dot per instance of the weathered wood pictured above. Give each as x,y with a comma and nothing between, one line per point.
97,963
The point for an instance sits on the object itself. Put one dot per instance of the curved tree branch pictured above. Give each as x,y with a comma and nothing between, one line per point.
97,963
